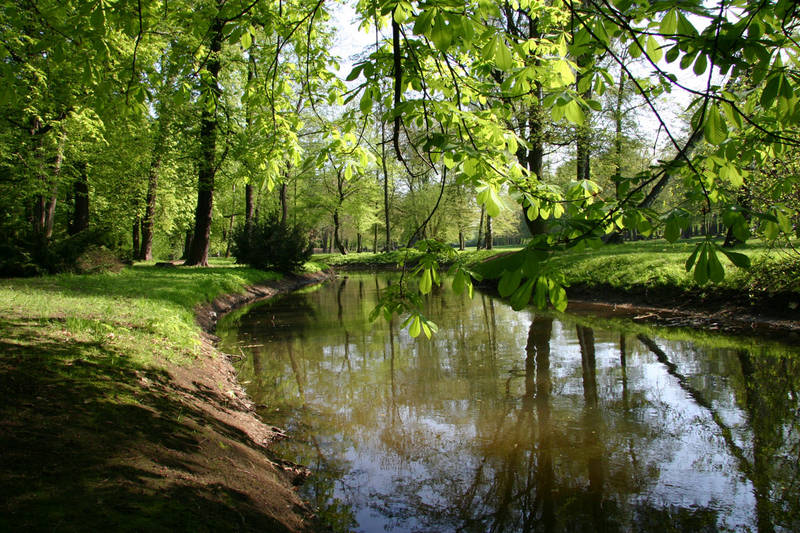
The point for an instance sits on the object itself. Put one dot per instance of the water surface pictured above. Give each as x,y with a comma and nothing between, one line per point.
521,421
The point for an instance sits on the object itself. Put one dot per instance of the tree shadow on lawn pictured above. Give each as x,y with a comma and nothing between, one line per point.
90,442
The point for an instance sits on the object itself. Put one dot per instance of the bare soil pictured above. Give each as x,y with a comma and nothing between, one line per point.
735,313
98,446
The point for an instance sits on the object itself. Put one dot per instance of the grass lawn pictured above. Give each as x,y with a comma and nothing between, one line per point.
139,313
632,266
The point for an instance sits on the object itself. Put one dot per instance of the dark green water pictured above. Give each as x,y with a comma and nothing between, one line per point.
522,421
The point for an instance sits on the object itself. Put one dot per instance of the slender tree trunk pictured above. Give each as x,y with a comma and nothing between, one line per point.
230,236
39,207
137,224
489,233
248,207
198,253
148,222
50,211
284,203
336,224
461,240
618,124
248,188
336,239
385,190
80,218
187,243
375,239
480,228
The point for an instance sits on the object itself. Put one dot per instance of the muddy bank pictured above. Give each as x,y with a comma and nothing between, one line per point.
103,445
731,312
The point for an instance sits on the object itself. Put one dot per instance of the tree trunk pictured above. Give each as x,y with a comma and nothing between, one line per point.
385,191
137,224
284,204
480,228
148,222
80,218
187,243
461,240
359,241
50,211
336,239
375,240
248,207
489,233
230,235
198,253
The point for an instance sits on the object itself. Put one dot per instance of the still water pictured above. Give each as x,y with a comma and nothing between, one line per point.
521,421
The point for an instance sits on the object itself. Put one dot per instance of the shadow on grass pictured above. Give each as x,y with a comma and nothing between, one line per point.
85,435
186,287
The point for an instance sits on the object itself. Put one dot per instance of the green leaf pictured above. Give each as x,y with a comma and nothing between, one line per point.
654,49
715,129
247,40
540,296
502,55
770,92
574,113
691,260
426,281
784,223
522,295
738,259
440,35
701,268
715,271
558,297
365,105
669,24
488,196
701,64
509,281
423,23
414,327
771,230
355,72
672,54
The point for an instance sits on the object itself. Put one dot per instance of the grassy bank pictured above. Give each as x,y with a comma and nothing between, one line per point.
117,416
658,265
644,267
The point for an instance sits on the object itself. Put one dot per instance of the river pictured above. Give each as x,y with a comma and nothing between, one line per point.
521,421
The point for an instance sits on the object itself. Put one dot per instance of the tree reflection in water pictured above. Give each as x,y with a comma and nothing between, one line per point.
510,421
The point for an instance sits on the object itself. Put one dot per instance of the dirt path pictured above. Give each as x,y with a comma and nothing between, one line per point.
102,447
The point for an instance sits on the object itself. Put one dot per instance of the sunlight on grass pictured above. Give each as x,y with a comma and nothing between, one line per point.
143,313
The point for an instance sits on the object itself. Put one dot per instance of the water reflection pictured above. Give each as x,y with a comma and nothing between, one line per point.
511,421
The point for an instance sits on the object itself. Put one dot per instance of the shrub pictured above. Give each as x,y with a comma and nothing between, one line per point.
89,251
270,245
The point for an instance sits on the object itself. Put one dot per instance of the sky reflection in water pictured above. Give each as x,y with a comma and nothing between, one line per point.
519,421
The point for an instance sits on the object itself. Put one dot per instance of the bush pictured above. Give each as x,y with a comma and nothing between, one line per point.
89,251
270,245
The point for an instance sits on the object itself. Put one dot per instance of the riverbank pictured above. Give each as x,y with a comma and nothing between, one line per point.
647,281
119,414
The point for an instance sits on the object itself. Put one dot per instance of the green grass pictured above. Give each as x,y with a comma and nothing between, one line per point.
659,265
90,407
632,266
142,313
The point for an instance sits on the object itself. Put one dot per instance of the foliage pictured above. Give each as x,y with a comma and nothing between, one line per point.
272,245
91,250
209,98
